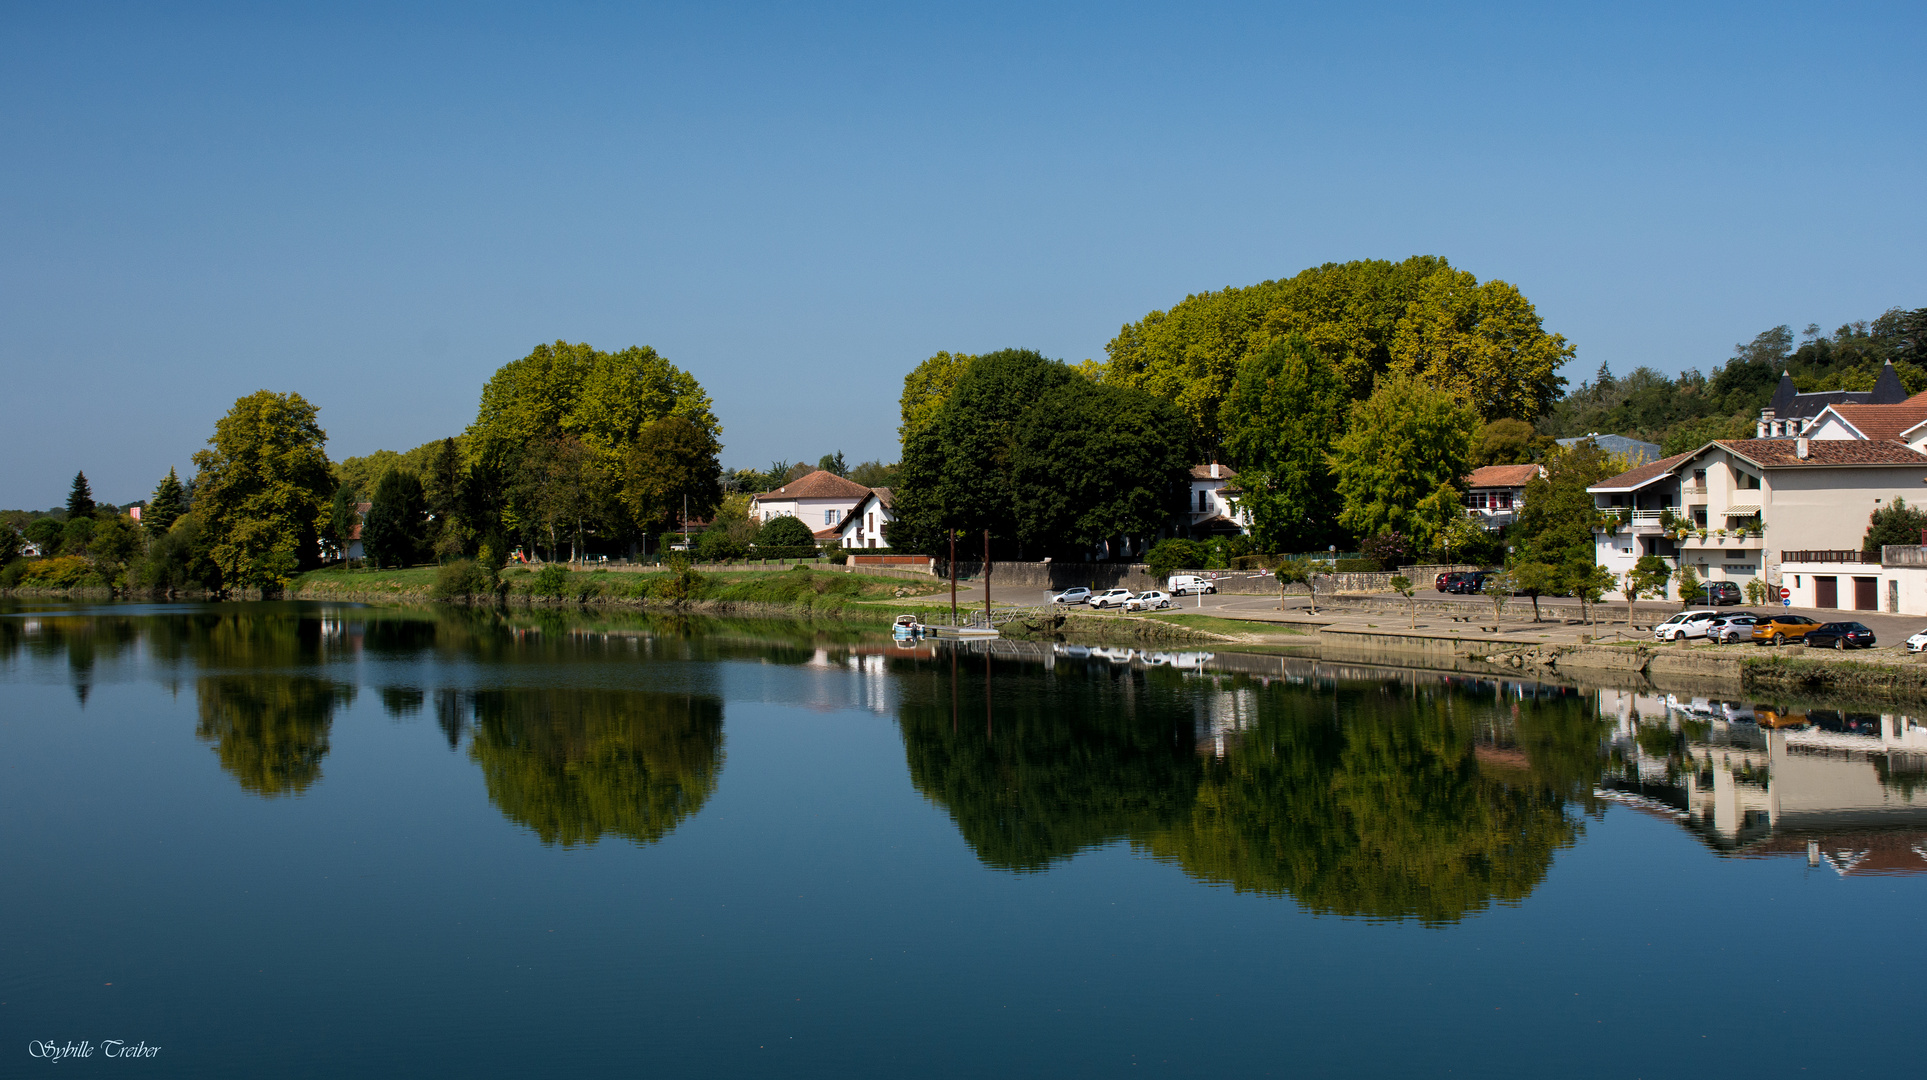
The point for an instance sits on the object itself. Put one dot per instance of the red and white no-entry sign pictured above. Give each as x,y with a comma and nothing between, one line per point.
1786,593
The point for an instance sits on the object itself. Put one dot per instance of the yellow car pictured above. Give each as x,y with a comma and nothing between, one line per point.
1780,629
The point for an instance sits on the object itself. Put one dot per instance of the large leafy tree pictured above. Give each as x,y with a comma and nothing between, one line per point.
574,395
959,470
562,489
926,388
1283,415
673,466
394,532
166,507
1555,524
1408,444
1482,340
262,490
1092,463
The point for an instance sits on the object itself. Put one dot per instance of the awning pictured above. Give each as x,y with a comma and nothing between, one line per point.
1741,511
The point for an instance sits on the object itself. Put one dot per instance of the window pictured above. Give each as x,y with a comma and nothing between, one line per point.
1204,501
870,522
1699,477
829,517
1745,481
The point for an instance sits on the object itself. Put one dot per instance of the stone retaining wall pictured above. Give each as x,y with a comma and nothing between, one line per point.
1053,575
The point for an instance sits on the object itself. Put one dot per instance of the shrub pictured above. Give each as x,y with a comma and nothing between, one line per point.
839,557
682,584
1171,555
550,581
62,572
717,545
785,532
463,579
10,576
1389,548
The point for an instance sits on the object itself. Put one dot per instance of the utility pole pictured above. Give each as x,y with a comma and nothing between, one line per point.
986,577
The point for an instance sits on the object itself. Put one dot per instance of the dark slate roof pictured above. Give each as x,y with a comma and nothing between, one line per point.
1789,404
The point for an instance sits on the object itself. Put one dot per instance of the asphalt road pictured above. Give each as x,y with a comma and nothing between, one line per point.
1889,629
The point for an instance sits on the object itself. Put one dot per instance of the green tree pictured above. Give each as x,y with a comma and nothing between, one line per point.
1499,587
77,534
45,534
116,547
959,470
1405,442
1588,581
444,489
672,466
1284,412
1895,523
1557,516
394,532
1689,586
180,559
1535,579
1648,577
343,516
1420,317
1506,441
263,488
925,390
784,532
1297,572
577,403
166,507
1403,586
875,474
1092,463
1172,554
80,499
834,463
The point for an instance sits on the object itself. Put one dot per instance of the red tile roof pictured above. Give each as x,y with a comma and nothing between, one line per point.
1203,472
1640,477
1823,453
821,484
1882,421
1502,476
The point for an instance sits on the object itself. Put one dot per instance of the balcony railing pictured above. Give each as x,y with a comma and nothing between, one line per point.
1648,521
1829,555
1693,491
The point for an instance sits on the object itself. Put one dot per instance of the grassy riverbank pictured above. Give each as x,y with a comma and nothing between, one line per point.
801,588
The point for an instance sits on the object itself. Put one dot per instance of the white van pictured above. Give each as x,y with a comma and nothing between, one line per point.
1186,584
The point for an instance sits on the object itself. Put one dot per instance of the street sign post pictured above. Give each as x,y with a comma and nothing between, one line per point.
1786,597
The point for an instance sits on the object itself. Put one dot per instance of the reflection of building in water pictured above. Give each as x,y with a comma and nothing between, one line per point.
1845,789
1222,716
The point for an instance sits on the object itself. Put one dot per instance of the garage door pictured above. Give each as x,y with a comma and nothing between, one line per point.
1866,594
1826,592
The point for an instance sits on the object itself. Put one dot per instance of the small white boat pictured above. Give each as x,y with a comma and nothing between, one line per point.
907,626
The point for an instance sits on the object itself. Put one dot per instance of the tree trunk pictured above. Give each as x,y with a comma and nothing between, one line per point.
1535,607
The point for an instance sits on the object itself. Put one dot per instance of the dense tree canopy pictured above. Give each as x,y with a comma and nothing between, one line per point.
1284,413
394,532
1895,523
925,390
1555,525
166,507
672,466
1402,458
1420,317
263,489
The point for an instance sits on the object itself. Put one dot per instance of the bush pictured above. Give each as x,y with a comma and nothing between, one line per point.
682,585
463,579
717,545
10,576
799,551
1170,555
1390,548
1358,566
63,572
839,557
550,581
785,532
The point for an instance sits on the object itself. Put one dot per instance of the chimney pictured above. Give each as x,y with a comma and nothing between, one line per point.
1214,468
1800,448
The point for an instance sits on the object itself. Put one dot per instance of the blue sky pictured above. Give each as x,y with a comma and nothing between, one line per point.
378,206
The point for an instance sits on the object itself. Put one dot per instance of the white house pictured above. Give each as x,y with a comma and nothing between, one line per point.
1494,493
863,526
820,500
1791,413
1213,508
1735,509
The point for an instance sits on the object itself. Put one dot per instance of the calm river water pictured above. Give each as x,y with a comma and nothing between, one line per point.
298,840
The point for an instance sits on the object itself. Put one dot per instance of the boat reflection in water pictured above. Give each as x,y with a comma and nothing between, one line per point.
1843,788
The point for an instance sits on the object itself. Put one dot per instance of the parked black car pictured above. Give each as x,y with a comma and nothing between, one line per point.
1840,635
1444,582
1468,582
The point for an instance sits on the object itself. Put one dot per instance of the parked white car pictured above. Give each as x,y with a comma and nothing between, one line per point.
1686,624
1917,642
1112,598
1076,595
1149,600
1187,584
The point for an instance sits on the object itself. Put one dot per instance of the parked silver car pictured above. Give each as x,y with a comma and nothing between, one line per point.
1075,595
1730,629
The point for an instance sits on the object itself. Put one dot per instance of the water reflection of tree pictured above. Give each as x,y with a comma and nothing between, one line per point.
270,731
1388,806
1064,761
574,765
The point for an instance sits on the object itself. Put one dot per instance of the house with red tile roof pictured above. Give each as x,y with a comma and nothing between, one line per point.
1213,508
820,499
1494,493
867,524
1736,509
